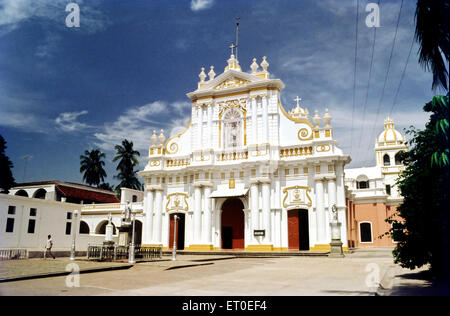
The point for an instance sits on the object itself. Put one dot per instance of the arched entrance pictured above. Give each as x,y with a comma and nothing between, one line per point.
233,228
298,230
179,229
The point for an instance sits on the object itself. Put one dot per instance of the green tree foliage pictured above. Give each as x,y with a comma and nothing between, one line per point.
91,165
127,158
6,176
432,25
106,186
422,231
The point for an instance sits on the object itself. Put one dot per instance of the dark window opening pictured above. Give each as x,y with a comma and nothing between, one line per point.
366,232
11,210
9,225
31,226
68,228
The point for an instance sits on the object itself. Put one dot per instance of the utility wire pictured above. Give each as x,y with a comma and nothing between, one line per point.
401,78
354,75
368,88
375,122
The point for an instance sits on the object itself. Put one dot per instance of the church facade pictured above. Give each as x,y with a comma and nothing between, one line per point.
246,173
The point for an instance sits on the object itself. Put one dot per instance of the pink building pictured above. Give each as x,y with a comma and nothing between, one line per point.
372,194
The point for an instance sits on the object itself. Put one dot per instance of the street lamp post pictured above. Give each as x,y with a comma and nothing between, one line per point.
174,250
131,252
72,249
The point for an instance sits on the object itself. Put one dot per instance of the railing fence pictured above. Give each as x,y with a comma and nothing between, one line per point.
112,253
13,254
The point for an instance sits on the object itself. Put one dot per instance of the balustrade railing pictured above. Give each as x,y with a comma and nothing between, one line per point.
296,151
113,253
13,254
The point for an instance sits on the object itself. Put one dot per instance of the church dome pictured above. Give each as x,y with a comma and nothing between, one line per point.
390,135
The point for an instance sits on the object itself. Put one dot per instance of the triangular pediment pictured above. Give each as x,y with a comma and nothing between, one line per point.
230,79
232,82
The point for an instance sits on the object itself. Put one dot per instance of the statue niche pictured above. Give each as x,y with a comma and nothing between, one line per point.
232,129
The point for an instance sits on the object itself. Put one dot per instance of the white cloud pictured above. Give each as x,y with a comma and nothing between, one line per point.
137,124
197,5
67,122
14,12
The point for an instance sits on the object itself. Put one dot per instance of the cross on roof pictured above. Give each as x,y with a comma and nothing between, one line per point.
298,101
232,46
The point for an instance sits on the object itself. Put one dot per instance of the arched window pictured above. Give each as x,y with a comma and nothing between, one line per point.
134,198
232,129
365,231
40,194
84,228
362,182
386,160
398,160
101,228
22,193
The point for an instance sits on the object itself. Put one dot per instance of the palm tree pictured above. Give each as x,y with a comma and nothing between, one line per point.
92,166
6,178
432,25
127,156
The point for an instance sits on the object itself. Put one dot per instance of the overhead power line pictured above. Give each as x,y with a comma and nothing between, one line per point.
354,75
375,122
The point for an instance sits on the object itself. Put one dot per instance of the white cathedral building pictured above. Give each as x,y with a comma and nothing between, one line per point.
245,173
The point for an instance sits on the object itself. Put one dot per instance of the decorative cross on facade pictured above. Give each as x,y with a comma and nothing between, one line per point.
298,100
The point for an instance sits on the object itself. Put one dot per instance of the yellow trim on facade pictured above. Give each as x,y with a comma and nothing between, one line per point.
294,119
199,248
175,148
325,247
259,248
280,249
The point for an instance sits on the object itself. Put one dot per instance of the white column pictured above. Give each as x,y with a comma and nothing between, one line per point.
266,212
265,116
158,216
254,208
321,234
340,202
197,215
254,122
149,207
331,202
218,228
200,127
207,216
210,107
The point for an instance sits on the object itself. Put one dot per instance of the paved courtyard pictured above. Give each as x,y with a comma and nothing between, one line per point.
360,273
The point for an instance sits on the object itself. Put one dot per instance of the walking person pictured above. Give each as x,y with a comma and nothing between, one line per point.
48,247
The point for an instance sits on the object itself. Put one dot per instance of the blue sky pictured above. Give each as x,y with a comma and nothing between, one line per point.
126,71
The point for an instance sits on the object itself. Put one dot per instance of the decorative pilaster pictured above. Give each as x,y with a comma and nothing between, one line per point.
254,208
266,212
321,232
340,201
254,121
158,216
200,127
265,117
210,136
207,216
149,207
197,214
331,202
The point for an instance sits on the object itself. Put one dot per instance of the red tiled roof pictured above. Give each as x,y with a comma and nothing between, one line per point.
87,195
